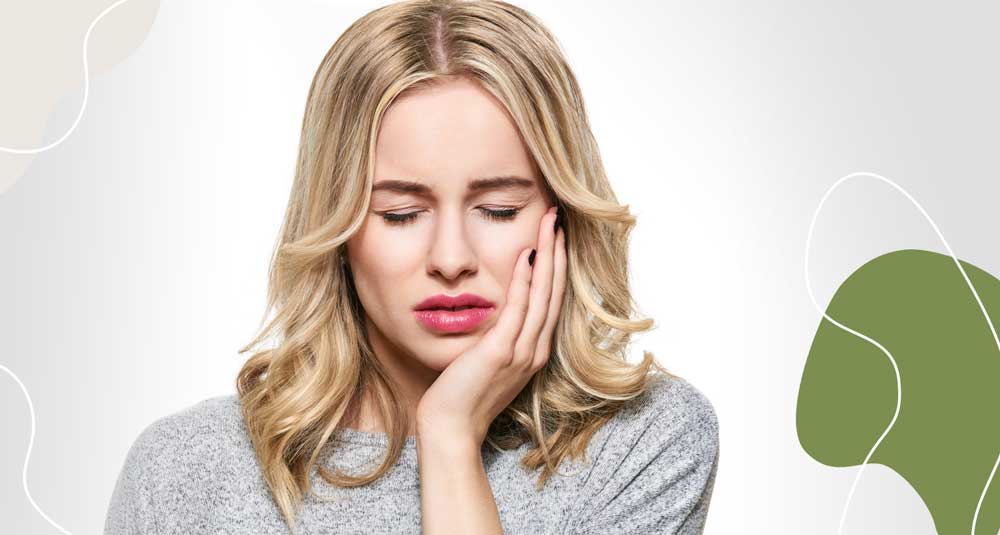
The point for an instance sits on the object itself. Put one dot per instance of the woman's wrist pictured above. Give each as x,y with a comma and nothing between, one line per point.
456,496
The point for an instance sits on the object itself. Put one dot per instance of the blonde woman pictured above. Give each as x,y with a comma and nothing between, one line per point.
452,317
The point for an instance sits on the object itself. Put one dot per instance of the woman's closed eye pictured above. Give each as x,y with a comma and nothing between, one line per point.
504,214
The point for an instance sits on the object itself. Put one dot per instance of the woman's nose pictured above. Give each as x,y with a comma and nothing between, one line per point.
451,253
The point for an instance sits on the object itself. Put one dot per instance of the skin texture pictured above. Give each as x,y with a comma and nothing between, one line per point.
445,137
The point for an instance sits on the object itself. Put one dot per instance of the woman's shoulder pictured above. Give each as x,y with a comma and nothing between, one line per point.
177,456
671,406
189,439
655,469
215,416
672,423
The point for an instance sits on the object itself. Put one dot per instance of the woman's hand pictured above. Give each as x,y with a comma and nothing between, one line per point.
466,397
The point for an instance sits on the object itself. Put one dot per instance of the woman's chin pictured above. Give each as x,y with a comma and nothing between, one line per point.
442,351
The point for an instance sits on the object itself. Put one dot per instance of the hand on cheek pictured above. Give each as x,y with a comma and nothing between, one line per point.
484,379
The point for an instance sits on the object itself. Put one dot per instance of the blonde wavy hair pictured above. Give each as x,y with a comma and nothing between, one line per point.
296,394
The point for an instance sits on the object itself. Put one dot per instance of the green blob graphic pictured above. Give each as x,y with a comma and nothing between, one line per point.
946,439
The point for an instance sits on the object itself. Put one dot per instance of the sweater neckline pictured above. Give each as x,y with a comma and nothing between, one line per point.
356,437
373,438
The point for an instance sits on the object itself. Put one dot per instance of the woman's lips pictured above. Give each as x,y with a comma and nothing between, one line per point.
453,321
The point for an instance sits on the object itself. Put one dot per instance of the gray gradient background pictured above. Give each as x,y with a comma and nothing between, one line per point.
135,253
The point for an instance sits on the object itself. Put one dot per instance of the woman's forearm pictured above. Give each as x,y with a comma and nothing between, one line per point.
455,495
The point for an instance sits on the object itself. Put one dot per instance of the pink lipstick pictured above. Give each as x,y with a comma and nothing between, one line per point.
453,314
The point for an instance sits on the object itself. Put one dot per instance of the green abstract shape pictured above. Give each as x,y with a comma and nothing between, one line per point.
946,439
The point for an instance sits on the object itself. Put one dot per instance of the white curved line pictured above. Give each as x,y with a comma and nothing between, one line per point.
27,456
86,90
899,392
31,407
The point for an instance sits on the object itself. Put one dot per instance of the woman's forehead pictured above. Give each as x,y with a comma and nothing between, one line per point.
450,136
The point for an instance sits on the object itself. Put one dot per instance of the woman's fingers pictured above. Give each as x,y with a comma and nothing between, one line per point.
540,292
504,334
555,301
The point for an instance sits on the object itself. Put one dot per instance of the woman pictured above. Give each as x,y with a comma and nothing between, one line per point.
452,305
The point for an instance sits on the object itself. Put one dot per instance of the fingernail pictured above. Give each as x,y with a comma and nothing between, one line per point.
531,258
555,227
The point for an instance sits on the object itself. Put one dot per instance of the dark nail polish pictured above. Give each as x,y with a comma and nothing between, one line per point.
555,227
531,258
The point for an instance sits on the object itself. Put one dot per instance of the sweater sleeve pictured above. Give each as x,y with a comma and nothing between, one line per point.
657,471
131,509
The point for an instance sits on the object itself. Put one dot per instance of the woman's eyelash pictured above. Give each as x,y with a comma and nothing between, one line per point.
496,215
398,219
500,215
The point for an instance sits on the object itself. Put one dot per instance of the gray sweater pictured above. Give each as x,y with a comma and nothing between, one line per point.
651,469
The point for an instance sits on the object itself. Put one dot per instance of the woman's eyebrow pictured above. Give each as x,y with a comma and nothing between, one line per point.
476,185
501,182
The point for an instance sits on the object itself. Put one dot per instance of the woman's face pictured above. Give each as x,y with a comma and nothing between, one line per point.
437,224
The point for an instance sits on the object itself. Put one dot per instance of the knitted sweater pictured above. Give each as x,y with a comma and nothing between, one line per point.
650,469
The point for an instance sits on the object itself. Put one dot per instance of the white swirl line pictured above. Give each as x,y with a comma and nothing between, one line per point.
899,391
31,407
86,90
27,456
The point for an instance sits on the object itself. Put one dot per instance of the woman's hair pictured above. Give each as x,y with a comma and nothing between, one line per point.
296,394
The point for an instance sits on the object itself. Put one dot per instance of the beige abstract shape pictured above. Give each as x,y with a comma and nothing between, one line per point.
41,60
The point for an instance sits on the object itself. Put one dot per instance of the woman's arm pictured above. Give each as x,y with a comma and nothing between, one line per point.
455,495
